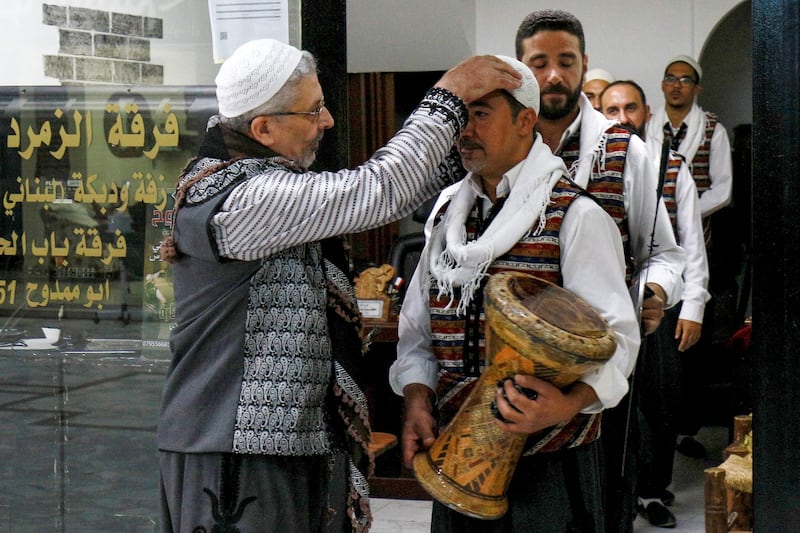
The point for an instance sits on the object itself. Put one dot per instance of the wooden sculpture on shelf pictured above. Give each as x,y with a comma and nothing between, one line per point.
371,294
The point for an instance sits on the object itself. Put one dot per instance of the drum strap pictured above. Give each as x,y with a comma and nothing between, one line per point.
471,347
472,326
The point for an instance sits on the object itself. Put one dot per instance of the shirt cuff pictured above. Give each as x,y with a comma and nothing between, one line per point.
404,372
609,385
446,105
692,311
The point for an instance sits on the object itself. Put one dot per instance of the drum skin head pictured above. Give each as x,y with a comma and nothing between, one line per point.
562,333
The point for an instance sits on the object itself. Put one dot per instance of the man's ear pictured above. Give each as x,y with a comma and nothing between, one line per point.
261,129
585,63
527,119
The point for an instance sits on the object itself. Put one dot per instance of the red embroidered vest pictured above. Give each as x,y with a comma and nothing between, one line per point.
699,166
669,190
700,169
606,180
539,255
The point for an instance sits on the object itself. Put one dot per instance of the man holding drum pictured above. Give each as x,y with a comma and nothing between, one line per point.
517,210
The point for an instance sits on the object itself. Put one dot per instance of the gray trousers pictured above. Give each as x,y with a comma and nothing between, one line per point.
201,493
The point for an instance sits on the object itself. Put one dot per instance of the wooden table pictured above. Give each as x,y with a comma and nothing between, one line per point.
391,479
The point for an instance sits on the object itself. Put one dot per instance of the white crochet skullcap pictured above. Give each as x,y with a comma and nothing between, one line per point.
253,74
599,74
528,93
689,61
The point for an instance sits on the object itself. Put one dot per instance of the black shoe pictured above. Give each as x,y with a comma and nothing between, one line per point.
691,448
667,498
658,515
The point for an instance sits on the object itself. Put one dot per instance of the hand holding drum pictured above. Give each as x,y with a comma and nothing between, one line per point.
532,327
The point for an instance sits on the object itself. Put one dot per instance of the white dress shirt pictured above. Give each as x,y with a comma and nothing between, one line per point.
720,166
640,181
592,267
690,235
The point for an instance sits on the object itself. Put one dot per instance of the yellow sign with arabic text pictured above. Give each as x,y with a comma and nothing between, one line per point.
87,182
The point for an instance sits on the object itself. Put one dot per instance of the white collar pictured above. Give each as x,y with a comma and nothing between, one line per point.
503,188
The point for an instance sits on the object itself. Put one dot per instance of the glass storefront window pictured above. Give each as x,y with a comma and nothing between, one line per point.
87,180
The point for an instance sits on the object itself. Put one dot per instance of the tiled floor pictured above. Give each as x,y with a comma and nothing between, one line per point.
77,441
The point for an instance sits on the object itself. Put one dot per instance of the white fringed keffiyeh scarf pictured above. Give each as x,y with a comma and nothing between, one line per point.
453,262
695,131
593,127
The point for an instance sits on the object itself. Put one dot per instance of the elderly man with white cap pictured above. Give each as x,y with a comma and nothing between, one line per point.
263,425
516,210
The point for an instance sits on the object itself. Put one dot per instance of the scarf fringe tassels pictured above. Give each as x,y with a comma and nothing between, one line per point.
452,262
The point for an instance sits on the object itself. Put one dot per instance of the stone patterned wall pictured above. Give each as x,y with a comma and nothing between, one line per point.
102,46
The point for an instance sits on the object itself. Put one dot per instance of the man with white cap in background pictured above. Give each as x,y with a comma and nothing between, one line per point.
263,426
516,210
703,142
696,134
595,81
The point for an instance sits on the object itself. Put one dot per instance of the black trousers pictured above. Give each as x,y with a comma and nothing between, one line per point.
621,442
664,392
548,493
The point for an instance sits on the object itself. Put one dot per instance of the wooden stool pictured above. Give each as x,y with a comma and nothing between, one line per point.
729,504
381,442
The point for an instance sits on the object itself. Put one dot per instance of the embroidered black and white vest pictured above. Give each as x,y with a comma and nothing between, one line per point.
270,355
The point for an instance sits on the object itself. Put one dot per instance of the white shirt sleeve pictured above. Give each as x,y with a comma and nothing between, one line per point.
278,209
665,265
593,268
415,361
690,233
720,171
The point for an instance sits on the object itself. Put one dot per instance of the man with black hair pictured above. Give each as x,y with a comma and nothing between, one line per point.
703,141
613,164
552,44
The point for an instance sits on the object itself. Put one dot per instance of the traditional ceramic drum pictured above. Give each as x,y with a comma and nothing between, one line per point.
532,327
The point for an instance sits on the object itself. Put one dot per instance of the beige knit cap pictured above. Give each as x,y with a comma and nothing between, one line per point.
528,93
253,74
599,74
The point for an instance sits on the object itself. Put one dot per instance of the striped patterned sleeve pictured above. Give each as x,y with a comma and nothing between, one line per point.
279,208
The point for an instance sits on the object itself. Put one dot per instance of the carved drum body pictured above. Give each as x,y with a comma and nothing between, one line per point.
532,327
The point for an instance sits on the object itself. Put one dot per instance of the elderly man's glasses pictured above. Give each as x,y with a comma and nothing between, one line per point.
314,114
683,81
